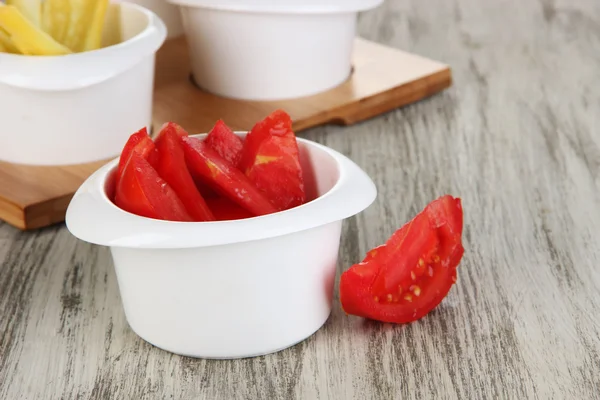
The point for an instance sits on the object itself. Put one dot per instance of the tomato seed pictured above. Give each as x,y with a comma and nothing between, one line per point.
430,271
389,298
436,258
376,298
421,262
413,276
416,290
408,297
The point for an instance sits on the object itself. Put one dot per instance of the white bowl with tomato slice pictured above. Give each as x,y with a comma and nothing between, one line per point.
270,50
225,245
61,105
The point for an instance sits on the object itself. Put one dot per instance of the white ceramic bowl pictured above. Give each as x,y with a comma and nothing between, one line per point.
167,12
234,288
80,107
270,49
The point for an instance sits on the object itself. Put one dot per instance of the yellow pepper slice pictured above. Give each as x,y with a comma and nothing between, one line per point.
76,23
31,9
93,40
6,45
56,16
25,36
111,32
80,16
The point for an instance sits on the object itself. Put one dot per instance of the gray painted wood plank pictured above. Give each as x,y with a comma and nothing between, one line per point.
517,137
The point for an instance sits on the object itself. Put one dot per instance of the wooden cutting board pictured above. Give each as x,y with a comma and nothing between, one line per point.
383,78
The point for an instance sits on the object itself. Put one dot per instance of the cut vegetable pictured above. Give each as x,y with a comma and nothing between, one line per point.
226,210
227,144
206,164
85,20
93,37
31,9
25,36
141,143
142,191
270,160
407,277
6,45
56,18
172,168
112,31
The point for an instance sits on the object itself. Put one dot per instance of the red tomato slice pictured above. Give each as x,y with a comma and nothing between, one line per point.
205,190
222,140
223,177
141,143
226,210
172,168
270,160
143,192
407,277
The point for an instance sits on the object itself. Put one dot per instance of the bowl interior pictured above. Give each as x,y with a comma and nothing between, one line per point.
320,171
337,187
123,24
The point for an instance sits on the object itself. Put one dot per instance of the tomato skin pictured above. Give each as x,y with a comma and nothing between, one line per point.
141,143
407,277
175,128
206,164
271,161
143,192
226,210
226,143
275,123
172,168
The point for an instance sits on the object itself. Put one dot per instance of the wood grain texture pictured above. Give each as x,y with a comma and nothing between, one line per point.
516,137
383,79
37,196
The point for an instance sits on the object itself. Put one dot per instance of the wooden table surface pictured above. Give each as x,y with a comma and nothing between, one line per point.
517,137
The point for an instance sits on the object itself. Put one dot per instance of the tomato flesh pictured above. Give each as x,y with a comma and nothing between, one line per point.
172,168
206,164
270,160
143,192
407,277
227,144
141,143
226,210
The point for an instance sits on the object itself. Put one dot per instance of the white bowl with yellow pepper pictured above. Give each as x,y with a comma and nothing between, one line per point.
75,81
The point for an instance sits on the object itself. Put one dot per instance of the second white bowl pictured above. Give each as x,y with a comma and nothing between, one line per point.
270,50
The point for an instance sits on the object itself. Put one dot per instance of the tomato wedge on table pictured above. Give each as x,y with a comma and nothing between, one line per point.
407,277
172,168
270,160
143,192
226,143
206,164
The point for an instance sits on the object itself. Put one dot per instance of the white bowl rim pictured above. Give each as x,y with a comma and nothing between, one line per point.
283,6
92,217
